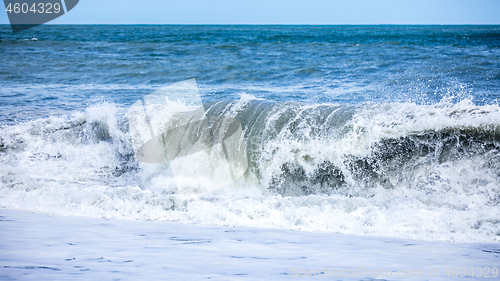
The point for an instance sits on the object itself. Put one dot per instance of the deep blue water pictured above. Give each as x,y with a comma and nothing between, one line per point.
55,69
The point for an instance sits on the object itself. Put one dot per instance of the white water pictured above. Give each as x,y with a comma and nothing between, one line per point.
83,165
41,247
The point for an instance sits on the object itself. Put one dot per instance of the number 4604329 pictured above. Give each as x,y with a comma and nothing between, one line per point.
40,8
472,272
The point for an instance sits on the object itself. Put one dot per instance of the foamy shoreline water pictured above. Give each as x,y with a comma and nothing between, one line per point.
43,247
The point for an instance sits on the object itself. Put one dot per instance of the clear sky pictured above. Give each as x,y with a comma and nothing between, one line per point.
281,12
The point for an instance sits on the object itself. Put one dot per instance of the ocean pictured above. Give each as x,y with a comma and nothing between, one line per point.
385,138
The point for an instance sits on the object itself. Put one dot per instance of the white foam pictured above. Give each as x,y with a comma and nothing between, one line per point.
36,246
75,166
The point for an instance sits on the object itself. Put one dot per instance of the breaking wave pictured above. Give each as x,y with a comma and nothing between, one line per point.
427,172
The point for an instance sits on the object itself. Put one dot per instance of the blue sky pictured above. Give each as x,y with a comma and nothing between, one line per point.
281,12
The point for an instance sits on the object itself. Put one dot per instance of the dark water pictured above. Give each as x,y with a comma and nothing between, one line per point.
51,69
376,130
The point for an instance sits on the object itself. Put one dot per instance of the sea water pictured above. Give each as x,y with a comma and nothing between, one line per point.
386,131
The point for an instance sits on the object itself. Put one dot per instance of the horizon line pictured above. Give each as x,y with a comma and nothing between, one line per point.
272,24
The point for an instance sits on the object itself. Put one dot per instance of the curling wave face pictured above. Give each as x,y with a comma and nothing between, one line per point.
396,169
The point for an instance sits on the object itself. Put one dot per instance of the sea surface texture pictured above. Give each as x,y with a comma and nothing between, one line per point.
389,131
